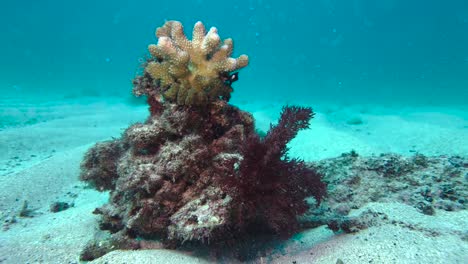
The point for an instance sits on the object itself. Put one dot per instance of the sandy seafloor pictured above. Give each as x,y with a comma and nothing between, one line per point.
43,141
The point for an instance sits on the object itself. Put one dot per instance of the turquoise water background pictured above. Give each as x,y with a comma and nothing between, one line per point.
379,51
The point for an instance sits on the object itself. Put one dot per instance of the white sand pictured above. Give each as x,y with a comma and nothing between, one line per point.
403,130
417,238
39,162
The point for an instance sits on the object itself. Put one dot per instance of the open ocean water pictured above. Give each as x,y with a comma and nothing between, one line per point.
354,51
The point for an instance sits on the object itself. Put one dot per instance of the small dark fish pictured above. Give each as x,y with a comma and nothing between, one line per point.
229,79
234,77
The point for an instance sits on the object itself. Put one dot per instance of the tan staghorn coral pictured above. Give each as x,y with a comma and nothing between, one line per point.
193,72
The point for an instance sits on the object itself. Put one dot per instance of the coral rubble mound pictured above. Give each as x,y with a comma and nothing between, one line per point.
195,170
429,184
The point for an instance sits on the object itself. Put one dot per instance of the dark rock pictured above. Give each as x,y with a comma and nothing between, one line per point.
59,206
426,208
355,121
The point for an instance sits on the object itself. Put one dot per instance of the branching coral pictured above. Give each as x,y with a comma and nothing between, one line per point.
192,72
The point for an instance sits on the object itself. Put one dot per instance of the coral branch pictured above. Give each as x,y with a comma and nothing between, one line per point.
192,72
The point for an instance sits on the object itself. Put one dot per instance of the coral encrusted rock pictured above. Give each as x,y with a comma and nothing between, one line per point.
163,180
192,72
198,173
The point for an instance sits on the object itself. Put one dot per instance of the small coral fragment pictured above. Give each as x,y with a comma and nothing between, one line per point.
192,72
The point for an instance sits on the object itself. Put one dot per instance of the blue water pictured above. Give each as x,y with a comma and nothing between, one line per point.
325,50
